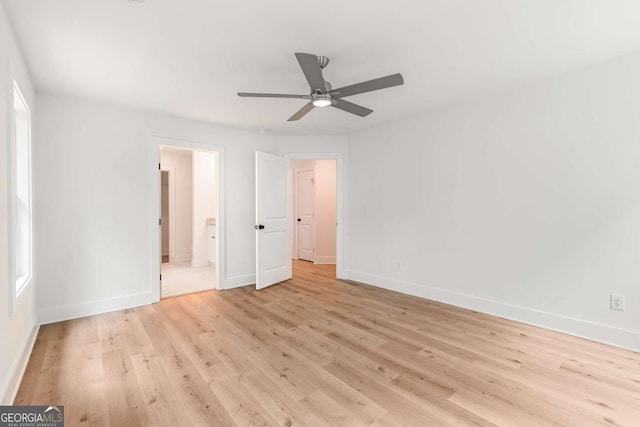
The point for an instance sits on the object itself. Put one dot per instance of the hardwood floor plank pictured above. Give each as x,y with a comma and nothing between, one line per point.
239,403
315,351
353,402
286,411
327,412
382,395
157,393
187,385
32,376
126,403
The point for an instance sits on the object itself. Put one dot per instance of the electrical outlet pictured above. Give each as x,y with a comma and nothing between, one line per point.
617,302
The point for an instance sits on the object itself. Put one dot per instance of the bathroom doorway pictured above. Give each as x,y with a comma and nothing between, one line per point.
164,213
188,220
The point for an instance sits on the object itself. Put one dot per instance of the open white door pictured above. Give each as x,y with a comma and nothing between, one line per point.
273,220
305,197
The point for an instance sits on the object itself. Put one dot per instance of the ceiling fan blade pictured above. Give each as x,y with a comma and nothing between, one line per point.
368,86
312,71
301,112
272,95
352,108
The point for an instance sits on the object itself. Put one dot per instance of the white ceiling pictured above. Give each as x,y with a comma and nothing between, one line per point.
190,57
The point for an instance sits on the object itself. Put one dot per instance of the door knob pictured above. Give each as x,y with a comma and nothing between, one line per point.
299,220
259,227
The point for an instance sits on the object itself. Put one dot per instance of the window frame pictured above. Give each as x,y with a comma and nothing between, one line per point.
18,284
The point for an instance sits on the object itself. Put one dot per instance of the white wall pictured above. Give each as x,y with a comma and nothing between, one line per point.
204,204
17,330
525,204
325,211
180,164
94,188
325,208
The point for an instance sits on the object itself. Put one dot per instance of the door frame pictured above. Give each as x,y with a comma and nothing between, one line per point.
155,250
340,198
171,193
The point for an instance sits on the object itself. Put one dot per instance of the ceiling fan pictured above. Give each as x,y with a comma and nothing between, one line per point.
323,95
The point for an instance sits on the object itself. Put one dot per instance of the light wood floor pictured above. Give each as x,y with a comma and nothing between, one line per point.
316,351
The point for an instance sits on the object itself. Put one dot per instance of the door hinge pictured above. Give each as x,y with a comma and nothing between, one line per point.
161,277
159,166
160,222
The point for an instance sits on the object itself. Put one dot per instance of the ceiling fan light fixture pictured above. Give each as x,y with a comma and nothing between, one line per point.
322,93
321,100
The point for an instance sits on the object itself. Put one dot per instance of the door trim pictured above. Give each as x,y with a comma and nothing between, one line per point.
341,177
154,209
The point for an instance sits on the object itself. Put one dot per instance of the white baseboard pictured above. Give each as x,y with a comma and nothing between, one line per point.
324,260
13,384
238,281
620,337
89,308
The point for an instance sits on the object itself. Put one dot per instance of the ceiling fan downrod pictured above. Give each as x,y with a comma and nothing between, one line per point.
323,61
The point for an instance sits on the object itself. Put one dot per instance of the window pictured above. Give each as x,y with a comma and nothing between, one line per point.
21,179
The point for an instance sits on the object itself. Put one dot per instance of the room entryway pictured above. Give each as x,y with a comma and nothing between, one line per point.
188,223
164,213
314,210
298,209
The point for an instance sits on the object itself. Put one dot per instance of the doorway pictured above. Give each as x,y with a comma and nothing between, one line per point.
188,220
276,226
314,204
164,213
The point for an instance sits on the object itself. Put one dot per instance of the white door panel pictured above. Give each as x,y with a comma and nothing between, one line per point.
306,214
273,220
